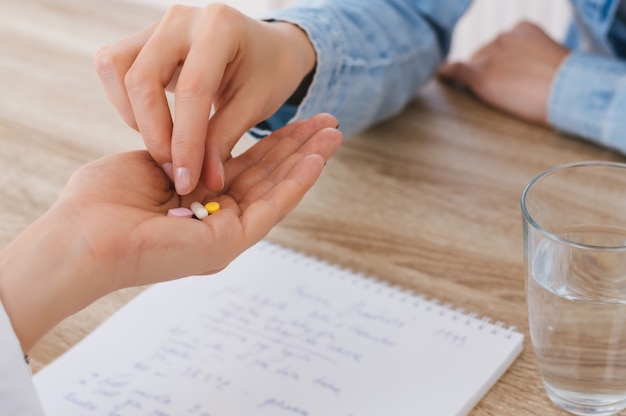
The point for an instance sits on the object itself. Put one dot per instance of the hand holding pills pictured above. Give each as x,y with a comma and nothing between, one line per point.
209,57
109,229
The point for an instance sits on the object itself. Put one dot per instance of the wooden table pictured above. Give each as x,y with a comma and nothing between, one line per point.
428,200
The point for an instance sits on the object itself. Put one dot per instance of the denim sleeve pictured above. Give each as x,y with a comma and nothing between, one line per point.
588,99
372,56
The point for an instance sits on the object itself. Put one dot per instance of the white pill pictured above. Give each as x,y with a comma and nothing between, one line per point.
199,210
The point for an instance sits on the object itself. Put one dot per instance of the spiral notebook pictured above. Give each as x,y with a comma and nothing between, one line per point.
279,333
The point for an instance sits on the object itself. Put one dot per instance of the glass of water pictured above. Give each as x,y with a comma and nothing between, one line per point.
574,219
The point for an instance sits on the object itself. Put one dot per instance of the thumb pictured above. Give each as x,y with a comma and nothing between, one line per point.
228,124
225,129
458,72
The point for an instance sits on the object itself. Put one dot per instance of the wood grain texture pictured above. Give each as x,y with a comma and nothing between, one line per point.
428,200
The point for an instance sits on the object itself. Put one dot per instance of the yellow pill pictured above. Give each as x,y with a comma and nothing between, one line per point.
212,207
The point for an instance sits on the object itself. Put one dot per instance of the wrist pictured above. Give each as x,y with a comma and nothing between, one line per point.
299,49
42,278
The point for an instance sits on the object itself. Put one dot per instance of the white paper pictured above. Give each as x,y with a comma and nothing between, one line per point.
278,333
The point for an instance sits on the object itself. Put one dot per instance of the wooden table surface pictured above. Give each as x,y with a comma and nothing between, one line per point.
428,200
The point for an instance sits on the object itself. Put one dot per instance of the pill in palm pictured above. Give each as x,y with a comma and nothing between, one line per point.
180,212
212,207
199,210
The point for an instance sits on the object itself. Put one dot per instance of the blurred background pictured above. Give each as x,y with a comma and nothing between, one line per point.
484,20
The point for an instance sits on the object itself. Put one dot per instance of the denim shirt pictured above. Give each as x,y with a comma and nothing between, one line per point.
373,56
588,95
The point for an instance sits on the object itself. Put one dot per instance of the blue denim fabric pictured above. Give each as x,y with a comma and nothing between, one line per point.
373,56
588,96
586,99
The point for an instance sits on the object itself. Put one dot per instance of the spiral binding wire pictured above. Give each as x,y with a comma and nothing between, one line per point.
404,295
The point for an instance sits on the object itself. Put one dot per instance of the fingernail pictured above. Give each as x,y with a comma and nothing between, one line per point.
183,181
222,175
169,170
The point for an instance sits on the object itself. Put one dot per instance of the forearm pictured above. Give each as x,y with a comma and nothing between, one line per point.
372,57
588,99
301,54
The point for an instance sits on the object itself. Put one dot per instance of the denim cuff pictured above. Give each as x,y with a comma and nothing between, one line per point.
325,38
587,96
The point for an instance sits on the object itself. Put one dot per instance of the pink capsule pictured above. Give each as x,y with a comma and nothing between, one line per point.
180,212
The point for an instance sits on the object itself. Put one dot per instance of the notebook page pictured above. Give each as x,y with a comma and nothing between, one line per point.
279,333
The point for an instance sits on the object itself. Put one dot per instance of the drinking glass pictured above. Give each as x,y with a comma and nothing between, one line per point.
574,222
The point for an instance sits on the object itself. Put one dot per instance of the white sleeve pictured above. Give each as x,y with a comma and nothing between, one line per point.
18,396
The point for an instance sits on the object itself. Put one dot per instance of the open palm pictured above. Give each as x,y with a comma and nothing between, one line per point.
116,207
